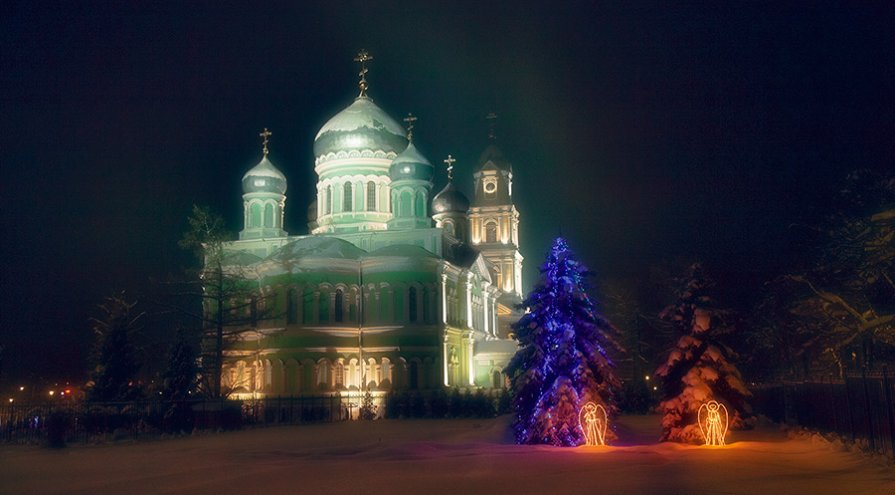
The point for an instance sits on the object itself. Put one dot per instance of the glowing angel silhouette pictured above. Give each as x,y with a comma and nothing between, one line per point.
594,422
713,421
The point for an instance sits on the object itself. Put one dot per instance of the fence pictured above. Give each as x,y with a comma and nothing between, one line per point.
859,408
86,422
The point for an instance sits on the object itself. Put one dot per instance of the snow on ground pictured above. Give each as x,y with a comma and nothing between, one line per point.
441,456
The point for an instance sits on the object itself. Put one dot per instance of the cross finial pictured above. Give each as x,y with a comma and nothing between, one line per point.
450,166
265,139
410,119
363,57
492,121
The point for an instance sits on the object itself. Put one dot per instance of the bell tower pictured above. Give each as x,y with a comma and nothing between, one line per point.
493,218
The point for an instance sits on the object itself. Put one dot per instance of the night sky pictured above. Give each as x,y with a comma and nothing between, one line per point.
641,131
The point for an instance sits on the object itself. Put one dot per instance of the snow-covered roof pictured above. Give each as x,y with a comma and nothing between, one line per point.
317,247
402,250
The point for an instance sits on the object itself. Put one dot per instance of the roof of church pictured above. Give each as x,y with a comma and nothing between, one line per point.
410,164
317,246
360,126
402,250
493,158
264,177
450,199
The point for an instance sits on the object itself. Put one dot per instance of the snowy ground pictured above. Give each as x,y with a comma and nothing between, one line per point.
434,457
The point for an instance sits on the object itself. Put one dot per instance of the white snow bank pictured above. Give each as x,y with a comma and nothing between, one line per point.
440,457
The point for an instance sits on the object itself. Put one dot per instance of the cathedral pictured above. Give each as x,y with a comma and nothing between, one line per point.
394,287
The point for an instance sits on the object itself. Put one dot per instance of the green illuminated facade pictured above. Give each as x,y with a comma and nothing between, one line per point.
375,297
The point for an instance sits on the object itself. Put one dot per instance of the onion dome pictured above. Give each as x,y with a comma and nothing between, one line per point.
264,177
450,199
410,164
361,126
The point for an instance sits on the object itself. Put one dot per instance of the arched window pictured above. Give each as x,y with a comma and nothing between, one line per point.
307,306
255,215
329,200
420,204
449,228
427,310
411,303
323,374
399,305
339,375
324,307
414,375
346,204
406,199
491,232
268,215
291,306
371,196
338,306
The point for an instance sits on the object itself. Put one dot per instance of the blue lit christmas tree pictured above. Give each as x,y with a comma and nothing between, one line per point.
561,363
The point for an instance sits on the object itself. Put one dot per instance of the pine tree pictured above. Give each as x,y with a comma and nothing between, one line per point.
181,376
698,367
115,375
561,363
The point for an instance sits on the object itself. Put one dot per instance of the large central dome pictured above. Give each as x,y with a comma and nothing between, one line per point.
361,126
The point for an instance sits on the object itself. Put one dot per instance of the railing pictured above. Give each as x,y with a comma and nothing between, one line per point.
86,422
859,408
59,423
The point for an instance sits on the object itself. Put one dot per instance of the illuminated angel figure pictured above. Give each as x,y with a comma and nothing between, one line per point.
713,422
594,421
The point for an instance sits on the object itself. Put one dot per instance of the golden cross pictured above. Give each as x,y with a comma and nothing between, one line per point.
492,120
450,166
265,135
410,119
363,57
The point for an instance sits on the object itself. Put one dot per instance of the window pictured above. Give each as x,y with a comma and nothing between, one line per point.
405,205
414,375
291,307
340,375
329,200
399,305
346,206
411,303
420,205
339,308
371,196
307,305
449,228
427,310
255,215
324,307
268,215
491,232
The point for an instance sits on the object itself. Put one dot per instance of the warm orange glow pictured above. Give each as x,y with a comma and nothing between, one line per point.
594,422
713,422
52,393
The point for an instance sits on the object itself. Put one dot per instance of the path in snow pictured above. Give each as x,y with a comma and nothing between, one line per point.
440,457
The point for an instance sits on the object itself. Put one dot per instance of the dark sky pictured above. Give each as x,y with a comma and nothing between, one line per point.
642,131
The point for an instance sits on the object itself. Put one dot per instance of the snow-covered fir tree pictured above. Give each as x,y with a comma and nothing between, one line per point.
698,367
561,363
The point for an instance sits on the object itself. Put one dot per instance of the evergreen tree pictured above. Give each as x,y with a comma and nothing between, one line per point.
115,374
561,363
181,376
698,367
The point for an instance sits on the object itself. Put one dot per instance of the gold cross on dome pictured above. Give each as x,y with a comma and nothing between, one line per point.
492,120
363,57
410,119
265,135
450,166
